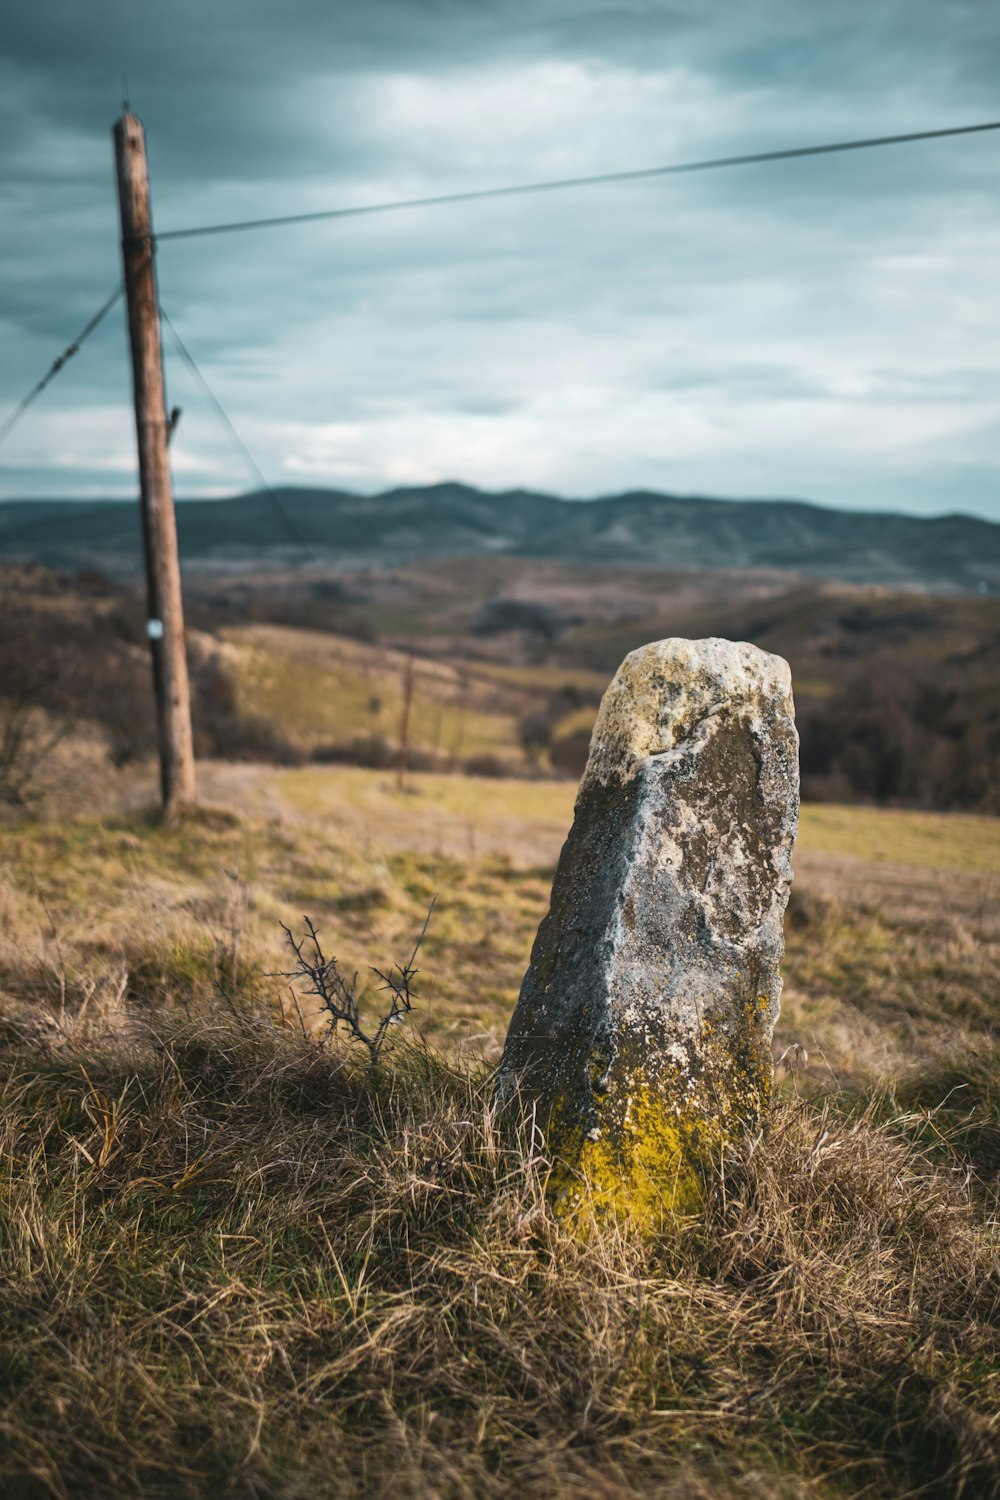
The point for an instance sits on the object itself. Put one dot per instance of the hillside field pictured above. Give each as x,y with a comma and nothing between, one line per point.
896,692
233,1263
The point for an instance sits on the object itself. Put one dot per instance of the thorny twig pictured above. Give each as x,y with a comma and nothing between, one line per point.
339,997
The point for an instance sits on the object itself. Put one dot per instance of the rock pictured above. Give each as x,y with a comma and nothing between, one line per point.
641,1038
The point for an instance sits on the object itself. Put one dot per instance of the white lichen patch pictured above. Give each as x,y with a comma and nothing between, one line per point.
663,691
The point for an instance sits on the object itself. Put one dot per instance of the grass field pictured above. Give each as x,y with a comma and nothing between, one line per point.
234,1264
324,689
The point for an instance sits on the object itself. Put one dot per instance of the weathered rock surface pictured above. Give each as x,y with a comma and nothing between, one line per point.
641,1037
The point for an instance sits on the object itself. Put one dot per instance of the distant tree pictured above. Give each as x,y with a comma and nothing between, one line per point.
903,737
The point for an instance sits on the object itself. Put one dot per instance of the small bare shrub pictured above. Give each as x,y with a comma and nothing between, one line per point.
340,997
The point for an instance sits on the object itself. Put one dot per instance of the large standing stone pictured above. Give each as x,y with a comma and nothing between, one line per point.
641,1038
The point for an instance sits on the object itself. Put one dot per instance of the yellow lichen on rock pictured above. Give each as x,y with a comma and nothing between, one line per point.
645,1171
655,1139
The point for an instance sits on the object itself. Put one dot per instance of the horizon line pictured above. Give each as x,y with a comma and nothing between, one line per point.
380,494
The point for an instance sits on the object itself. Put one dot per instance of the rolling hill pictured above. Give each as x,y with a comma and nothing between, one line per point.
952,553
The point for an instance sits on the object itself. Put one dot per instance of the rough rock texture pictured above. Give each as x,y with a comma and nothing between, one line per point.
641,1037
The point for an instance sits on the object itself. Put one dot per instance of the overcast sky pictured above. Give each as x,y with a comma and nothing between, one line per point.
824,329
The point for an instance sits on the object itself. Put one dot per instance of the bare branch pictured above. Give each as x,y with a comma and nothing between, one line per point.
339,998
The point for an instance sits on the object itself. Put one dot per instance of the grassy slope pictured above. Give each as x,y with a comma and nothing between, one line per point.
230,1266
327,689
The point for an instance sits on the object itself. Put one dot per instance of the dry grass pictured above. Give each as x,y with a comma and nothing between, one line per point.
232,1263
926,840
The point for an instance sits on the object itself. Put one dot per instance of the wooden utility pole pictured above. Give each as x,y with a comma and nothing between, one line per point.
165,610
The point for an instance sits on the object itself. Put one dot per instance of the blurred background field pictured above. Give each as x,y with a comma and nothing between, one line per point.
896,692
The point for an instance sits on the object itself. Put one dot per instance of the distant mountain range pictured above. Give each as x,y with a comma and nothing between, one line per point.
946,553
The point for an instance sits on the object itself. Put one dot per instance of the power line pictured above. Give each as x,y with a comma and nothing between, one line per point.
712,164
57,365
221,412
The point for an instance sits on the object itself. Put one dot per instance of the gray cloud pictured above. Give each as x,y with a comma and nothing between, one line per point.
819,328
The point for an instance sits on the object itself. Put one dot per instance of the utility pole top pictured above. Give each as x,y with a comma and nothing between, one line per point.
128,125
133,181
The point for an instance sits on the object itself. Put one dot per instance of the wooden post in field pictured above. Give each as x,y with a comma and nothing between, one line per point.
165,611
459,740
404,727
